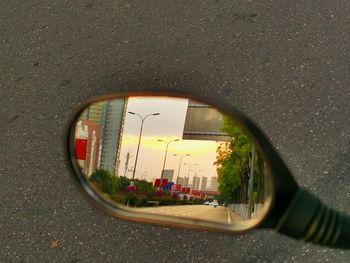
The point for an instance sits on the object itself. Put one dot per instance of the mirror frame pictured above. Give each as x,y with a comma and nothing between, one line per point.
284,186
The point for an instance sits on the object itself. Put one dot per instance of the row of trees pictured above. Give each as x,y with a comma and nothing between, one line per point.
233,163
104,182
118,190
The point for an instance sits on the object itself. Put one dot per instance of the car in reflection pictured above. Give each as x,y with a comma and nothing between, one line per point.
207,203
214,203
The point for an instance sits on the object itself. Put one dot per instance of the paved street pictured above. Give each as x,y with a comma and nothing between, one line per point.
201,212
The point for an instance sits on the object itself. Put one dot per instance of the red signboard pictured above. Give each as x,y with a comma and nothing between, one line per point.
177,187
164,182
160,182
80,149
131,188
185,190
157,183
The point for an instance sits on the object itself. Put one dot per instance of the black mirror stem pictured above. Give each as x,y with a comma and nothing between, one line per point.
306,217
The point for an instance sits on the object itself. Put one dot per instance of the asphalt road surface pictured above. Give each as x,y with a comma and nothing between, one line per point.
202,212
285,64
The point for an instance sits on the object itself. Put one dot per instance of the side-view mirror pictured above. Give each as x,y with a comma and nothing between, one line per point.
187,162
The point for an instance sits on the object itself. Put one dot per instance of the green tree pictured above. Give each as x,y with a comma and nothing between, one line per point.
233,165
106,182
144,186
141,185
123,183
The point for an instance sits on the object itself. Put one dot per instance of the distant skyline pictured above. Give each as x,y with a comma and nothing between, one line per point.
167,126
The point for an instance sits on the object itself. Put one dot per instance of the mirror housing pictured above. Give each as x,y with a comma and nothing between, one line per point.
291,210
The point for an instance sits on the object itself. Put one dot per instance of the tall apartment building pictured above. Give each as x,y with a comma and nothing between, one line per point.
110,115
204,183
182,180
195,182
214,184
168,174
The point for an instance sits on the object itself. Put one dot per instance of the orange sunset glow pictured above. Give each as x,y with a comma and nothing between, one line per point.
198,148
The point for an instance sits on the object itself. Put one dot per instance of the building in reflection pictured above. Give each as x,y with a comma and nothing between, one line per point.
204,183
195,182
183,181
91,133
88,139
81,141
213,184
168,174
203,122
110,116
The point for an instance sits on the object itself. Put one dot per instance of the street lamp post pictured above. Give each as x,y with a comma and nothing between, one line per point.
138,145
189,169
178,172
166,153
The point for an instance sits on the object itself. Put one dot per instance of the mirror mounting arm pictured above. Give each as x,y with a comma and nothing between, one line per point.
307,218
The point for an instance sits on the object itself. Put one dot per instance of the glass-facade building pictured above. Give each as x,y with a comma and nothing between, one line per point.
110,116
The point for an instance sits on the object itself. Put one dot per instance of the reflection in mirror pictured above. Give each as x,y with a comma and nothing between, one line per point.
171,156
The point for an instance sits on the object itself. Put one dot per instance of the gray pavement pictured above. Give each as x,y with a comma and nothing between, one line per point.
283,63
201,212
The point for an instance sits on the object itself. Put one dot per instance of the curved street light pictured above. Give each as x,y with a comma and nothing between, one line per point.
178,172
138,145
166,153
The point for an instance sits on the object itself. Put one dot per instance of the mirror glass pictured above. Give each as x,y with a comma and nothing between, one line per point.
171,156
